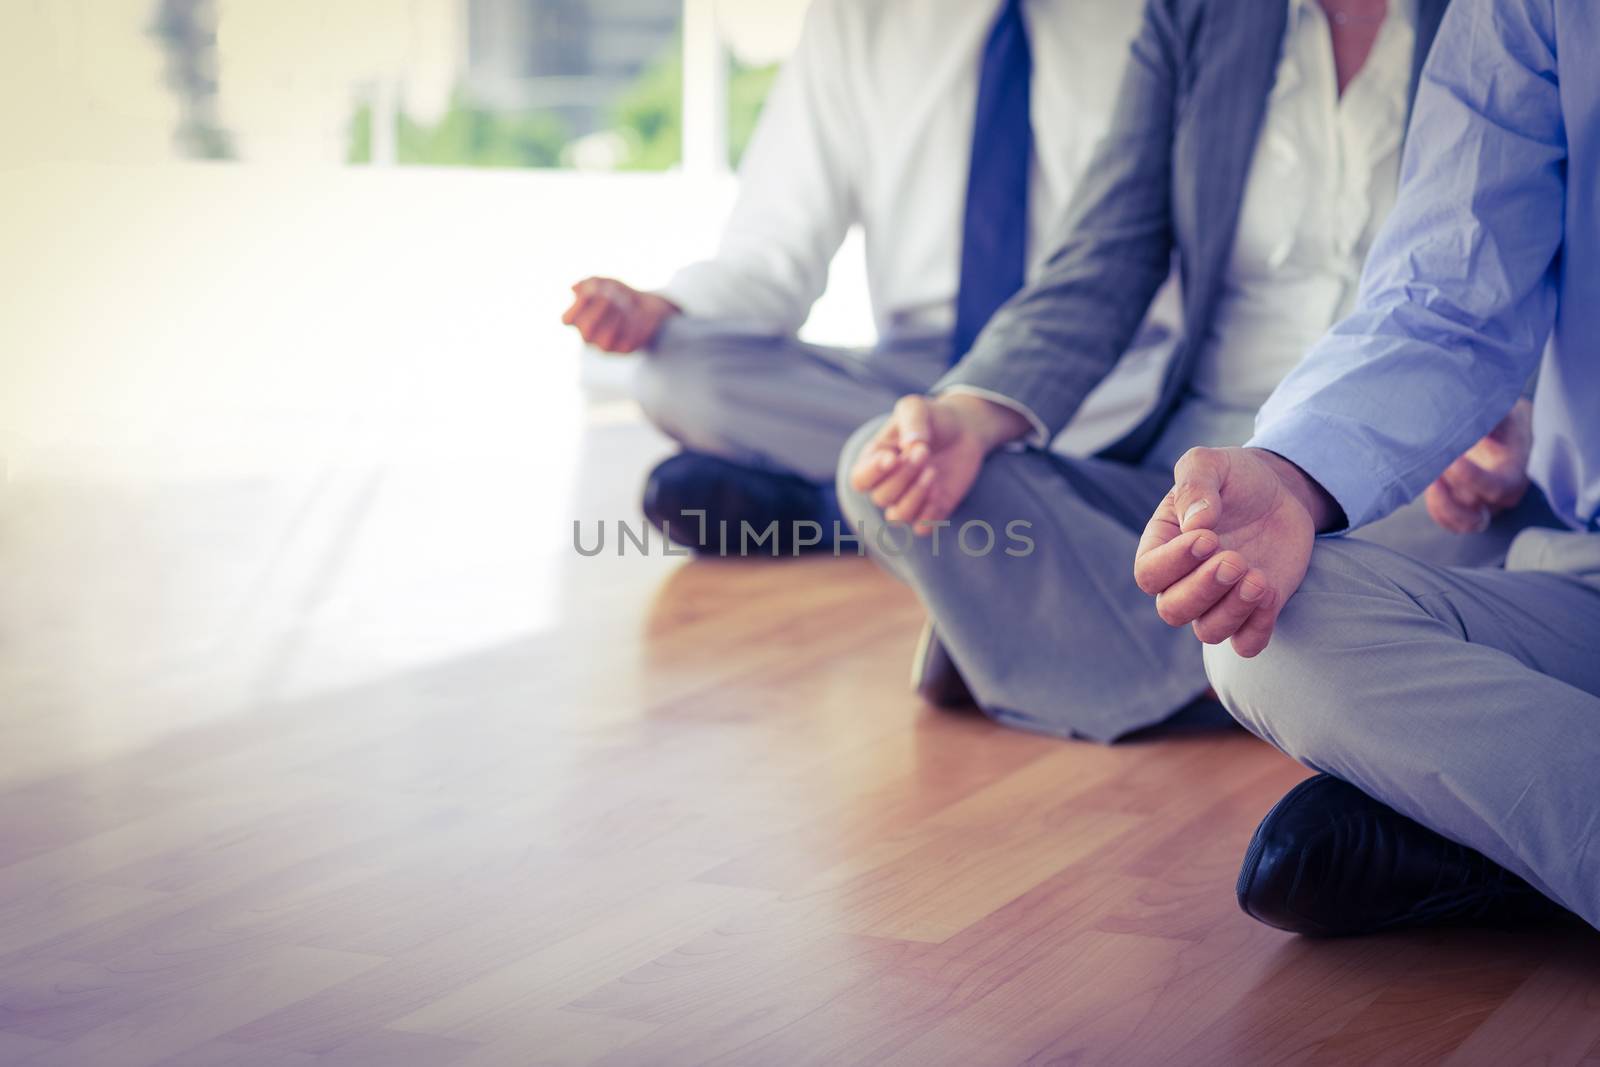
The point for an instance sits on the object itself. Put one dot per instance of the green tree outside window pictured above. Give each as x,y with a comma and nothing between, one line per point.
648,117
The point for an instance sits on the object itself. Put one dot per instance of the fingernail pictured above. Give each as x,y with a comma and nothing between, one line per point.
1228,573
1203,547
1250,592
1194,509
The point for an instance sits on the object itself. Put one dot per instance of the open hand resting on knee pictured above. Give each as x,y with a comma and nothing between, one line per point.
615,317
1231,542
922,463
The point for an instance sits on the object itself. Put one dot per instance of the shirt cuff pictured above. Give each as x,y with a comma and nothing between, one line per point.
1341,460
689,298
1039,438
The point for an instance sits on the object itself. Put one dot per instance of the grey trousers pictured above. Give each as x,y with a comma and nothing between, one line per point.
1467,699
771,401
1062,641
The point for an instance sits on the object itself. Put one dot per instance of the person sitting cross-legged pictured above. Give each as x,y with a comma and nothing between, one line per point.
1453,712
1261,141
953,132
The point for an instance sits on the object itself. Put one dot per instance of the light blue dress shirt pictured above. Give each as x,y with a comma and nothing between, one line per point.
1492,250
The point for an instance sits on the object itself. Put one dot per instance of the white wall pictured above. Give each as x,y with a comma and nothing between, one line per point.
211,318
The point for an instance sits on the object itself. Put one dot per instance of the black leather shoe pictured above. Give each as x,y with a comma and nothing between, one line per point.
934,676
1329,861
728,492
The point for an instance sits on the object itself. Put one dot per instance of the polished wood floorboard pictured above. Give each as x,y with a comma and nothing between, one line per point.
365,765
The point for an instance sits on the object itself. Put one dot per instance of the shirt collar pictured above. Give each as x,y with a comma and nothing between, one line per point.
1398,9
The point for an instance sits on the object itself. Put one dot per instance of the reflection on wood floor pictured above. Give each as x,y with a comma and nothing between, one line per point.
367,766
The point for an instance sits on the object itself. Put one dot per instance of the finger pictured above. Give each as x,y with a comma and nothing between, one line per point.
611,329
570,316
916,429
627,341
1251,594
880,457
1197,488
1471,482
941,502
875,464
1255,634
605,330
1161,566
897,484
637,336
1162,527
590,315
590,292
1495,486
1192,596
909,506
1450,513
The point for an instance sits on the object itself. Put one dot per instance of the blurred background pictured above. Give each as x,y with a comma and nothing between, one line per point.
188,175
285,402
644,85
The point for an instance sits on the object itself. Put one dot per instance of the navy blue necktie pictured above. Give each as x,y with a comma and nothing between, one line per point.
994,233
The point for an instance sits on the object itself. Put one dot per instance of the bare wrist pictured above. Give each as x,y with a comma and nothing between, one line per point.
1325,511
665,305
993,424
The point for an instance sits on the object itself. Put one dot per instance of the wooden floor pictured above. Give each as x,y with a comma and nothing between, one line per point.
365,765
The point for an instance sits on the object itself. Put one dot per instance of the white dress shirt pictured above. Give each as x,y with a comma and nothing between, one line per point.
1323,178
870,123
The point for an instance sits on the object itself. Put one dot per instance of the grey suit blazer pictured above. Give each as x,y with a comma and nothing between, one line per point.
1169,177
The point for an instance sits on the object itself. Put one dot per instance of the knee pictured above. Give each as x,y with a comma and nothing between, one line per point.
1269,696
1257,692
680,392
655,391
857,506
1288,694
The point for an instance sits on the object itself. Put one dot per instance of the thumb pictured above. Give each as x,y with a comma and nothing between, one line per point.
915,424
1197,488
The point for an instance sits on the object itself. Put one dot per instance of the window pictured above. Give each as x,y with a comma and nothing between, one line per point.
586,84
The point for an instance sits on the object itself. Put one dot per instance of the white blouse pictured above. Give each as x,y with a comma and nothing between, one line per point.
1321,182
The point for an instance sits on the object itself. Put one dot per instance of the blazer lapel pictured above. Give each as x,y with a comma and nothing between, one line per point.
1229,63
1234,53
1236,57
